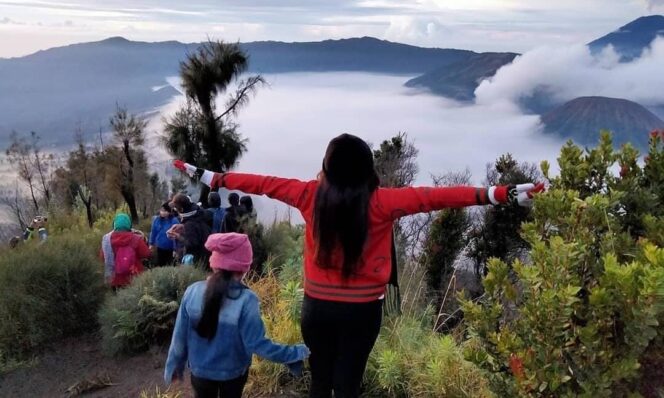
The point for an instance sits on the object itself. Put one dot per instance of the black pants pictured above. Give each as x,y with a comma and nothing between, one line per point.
204,388
340,337
164,257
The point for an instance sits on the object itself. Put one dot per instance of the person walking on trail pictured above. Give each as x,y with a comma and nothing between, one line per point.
219,326
123,252
215,212
160,243
347,261
233,213
248,209
38,224
192,231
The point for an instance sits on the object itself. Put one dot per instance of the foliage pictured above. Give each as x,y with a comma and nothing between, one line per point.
48,291
33,168
410,360
97,179
249,225
280,308
577,320
498,233
444,242
283,242
196,134
130,159
395,161
144,313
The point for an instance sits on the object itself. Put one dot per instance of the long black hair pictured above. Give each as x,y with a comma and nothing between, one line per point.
341,214
215,293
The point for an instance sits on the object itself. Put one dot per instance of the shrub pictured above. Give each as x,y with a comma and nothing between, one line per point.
144,313
282,242
578,319
48,291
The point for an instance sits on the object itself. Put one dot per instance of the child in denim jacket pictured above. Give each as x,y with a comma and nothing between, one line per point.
219,326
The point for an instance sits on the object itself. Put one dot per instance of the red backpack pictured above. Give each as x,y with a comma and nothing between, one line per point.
125,260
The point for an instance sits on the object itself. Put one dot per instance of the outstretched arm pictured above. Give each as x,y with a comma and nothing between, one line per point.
253,337
290,191
399,202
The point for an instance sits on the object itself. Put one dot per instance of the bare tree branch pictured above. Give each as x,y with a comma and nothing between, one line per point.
241,97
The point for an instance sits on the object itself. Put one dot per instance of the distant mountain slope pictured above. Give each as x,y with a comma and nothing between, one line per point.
630,40
365,54
459,80
581,119
52,91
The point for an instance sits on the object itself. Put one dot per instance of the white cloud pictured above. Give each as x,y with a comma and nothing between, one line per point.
570,72
9,21
654,5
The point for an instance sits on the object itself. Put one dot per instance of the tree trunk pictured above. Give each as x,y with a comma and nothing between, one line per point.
128,192
34,199
88,206
130,199
214,157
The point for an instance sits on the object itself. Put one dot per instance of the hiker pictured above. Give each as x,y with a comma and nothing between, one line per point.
159,242
215,212
123,251
192,231
38,224
348,242
248,209
219,326
233,213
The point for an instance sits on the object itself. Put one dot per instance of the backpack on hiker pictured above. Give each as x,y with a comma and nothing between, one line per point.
125,260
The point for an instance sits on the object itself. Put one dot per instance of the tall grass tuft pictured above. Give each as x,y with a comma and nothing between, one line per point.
409,360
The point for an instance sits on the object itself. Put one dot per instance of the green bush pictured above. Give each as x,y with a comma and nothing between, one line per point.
48,291
144,313
282,242
577,320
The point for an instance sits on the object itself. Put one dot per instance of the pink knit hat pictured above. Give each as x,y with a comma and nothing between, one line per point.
231,252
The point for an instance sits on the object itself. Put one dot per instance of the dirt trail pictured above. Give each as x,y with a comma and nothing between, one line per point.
77,359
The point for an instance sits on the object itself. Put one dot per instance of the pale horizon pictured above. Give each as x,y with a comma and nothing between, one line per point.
27,26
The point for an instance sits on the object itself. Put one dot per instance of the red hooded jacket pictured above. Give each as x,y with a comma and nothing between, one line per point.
386,206
126,238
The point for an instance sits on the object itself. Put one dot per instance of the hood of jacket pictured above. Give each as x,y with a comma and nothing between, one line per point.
123,238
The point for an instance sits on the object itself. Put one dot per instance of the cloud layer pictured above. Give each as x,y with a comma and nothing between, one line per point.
570,72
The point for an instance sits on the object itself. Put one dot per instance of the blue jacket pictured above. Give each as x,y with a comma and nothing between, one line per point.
158,232
217,215
240,334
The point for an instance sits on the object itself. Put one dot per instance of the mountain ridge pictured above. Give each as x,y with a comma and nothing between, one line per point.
584,117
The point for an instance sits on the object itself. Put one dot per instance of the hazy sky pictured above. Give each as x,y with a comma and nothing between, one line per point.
518,25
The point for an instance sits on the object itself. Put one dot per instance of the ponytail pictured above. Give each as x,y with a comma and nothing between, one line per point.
215,292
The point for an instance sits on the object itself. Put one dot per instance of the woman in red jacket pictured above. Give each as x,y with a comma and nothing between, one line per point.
347,253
